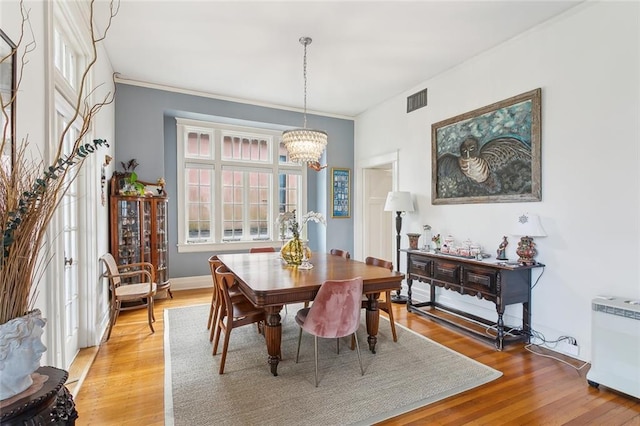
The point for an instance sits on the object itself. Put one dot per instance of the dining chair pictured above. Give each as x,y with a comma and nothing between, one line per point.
384,305
233,313
335,313
141,291
338,252
262,250
214,310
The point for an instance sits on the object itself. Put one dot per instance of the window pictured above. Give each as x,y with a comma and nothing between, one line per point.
232,183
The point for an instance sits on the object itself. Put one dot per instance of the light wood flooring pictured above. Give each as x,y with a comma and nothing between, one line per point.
124,385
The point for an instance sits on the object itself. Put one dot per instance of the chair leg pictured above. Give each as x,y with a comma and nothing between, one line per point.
112,319
358,347
219,329
391,320
211,310
225,347
214,324
299,339
315,343
150,313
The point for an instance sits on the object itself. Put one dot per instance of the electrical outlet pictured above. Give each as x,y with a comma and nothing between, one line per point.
567,348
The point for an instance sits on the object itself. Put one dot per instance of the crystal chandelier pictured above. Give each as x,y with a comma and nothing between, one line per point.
304,145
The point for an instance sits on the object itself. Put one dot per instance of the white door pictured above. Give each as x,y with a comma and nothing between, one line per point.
378,232
71,207
71,274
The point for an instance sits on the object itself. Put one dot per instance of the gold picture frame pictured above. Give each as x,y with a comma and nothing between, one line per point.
8,98
489,155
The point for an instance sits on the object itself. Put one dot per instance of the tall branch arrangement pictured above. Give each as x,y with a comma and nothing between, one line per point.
31,190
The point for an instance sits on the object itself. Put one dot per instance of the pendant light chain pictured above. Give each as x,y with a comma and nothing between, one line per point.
304,146
305,41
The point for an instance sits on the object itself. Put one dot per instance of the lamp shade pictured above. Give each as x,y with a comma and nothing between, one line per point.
398,201
528,225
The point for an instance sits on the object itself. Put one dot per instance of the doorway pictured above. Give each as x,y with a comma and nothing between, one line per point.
378,176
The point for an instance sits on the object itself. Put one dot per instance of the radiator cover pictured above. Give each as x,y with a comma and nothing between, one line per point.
615,340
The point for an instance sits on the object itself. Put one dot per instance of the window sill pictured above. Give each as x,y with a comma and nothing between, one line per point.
231,246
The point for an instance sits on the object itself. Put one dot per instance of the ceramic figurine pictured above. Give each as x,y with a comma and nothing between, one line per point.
502,249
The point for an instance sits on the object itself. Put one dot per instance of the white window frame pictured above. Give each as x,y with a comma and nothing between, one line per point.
217,164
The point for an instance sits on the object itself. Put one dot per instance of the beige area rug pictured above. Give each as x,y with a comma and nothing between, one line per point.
400,377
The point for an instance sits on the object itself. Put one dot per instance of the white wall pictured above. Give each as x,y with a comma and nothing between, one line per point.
31,123
587,64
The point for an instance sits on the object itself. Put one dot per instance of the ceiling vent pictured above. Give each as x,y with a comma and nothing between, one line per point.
417,100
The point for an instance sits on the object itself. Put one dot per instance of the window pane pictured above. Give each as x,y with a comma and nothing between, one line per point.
192,144
232,188
259,205
198,145
283,155
199,207
245,149
288,191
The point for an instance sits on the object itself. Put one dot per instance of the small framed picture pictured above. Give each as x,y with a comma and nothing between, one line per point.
340,193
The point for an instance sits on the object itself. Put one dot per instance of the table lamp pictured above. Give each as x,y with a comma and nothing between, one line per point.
399,202
528,226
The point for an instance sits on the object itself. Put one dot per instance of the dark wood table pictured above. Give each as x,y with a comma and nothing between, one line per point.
49,404
270,284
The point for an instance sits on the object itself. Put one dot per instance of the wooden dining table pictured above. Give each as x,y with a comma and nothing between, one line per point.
270,284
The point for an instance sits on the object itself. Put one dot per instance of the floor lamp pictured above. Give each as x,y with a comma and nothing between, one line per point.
399,202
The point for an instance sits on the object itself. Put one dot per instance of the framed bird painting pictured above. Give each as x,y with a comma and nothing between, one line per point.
489,155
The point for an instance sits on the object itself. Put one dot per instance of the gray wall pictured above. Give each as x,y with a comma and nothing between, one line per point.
146,130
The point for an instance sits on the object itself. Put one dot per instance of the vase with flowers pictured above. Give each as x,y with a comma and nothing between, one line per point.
31,191
294,251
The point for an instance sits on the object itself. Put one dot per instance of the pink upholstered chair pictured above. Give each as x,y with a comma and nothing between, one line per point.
335,313
262,250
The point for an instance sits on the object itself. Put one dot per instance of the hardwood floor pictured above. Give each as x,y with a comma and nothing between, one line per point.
124,385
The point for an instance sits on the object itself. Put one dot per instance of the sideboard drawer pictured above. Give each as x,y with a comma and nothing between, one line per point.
447,272
480,279
420,266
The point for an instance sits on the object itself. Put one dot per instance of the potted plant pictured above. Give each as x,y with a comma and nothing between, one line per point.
30,192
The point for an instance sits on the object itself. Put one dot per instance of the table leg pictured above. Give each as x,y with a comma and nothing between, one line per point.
373,320
273,336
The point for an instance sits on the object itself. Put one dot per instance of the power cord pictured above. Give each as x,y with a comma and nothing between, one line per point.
531,345
538,279
518,331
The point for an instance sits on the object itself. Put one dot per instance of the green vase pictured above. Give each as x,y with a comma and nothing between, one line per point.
292,252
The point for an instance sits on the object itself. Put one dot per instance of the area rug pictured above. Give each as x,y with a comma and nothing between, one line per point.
400,377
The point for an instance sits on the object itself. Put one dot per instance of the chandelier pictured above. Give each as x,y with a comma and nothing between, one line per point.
304,145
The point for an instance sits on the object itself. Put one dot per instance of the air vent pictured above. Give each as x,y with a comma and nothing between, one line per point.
417,100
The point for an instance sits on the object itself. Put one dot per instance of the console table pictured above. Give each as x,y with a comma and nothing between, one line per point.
499,282
50,405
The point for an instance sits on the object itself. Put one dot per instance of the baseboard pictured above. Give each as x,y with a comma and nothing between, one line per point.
190,283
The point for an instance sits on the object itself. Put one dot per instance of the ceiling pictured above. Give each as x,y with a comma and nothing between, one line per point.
363,52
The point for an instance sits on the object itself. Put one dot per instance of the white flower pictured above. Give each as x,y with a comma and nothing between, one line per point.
289,220
313,216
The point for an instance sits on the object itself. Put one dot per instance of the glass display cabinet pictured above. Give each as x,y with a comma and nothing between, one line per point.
138,228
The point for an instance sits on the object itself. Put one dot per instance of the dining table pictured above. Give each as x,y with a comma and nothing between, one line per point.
269,283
